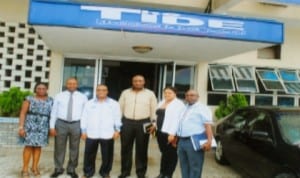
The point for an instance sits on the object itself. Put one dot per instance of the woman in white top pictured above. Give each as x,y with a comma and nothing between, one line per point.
168,115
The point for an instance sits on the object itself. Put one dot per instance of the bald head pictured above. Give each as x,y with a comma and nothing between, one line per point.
191,96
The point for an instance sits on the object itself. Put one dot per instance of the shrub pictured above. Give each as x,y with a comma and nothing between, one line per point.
11,101
234,102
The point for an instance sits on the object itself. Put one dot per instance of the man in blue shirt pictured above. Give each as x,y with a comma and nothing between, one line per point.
100,124
196,119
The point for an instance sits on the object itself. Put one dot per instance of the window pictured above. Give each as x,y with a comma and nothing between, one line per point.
239,119
261,123
263,100
245,79
214,99
291,81
285,101
221,78
270,80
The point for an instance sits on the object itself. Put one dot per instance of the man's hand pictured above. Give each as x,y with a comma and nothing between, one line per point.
116,135
206,146
52,132
152,129
83,136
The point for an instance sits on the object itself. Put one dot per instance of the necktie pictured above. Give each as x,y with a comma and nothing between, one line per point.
70,107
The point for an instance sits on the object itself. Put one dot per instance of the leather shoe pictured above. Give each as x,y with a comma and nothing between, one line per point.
160,176
56,174
72,174
122,176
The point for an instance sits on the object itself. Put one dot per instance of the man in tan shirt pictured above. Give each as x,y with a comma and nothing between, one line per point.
138,106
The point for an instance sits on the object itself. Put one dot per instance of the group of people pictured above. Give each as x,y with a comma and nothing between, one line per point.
70,116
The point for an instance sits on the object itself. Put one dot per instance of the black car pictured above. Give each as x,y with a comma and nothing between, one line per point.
261,142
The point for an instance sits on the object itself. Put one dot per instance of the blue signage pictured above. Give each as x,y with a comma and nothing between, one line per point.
284,1
154,21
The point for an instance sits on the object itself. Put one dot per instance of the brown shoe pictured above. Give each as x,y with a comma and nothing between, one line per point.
24,174
36,172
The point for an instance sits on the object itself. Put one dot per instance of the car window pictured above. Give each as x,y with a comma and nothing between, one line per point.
261,123
289,125
239,119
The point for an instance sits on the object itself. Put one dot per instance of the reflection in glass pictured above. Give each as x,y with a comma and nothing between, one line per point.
263,100
184,78
84,71
285,101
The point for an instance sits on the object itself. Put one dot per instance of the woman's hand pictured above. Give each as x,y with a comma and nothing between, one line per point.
172,139
21,132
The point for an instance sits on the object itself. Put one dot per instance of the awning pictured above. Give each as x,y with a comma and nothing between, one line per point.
112,31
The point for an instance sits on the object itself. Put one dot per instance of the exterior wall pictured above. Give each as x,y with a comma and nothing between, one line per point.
289,54
24,57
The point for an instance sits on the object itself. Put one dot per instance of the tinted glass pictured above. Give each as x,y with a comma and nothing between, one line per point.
289,125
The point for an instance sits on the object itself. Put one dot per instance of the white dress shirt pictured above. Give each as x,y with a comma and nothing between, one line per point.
172,116
60,106
101,119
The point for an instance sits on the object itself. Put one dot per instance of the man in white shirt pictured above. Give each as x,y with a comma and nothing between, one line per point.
65,125
196,119
100,124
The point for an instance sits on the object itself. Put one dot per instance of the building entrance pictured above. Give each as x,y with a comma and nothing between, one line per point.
117,75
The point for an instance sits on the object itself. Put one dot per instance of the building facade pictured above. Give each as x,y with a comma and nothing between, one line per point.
167,49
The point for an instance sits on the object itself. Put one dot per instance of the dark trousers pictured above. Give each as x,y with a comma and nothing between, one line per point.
64,132
90,153
132,131
169,157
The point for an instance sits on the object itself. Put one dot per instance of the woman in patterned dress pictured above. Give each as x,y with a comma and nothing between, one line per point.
34,127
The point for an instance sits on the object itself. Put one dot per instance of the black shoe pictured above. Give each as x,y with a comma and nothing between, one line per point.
104,175
87,176
72,174
56,174
123,176
166,176
160,176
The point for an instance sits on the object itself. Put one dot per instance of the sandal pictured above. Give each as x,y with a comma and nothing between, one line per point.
36,172
24,174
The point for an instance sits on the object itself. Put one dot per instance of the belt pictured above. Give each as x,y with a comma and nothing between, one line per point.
68,122
184,138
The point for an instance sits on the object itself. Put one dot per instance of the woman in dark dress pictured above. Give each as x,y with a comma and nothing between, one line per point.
34,127
168,115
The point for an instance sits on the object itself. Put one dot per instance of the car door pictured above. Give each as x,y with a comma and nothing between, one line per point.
233,140
260,146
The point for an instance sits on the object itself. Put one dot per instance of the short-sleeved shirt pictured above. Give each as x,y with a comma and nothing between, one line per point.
193,119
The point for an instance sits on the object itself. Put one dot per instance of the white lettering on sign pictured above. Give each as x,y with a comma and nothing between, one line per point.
146,16
226,24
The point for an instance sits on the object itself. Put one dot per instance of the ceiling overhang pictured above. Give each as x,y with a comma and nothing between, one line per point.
112,31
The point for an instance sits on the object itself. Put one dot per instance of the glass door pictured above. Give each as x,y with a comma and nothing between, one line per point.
166,77
179,76
85,72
